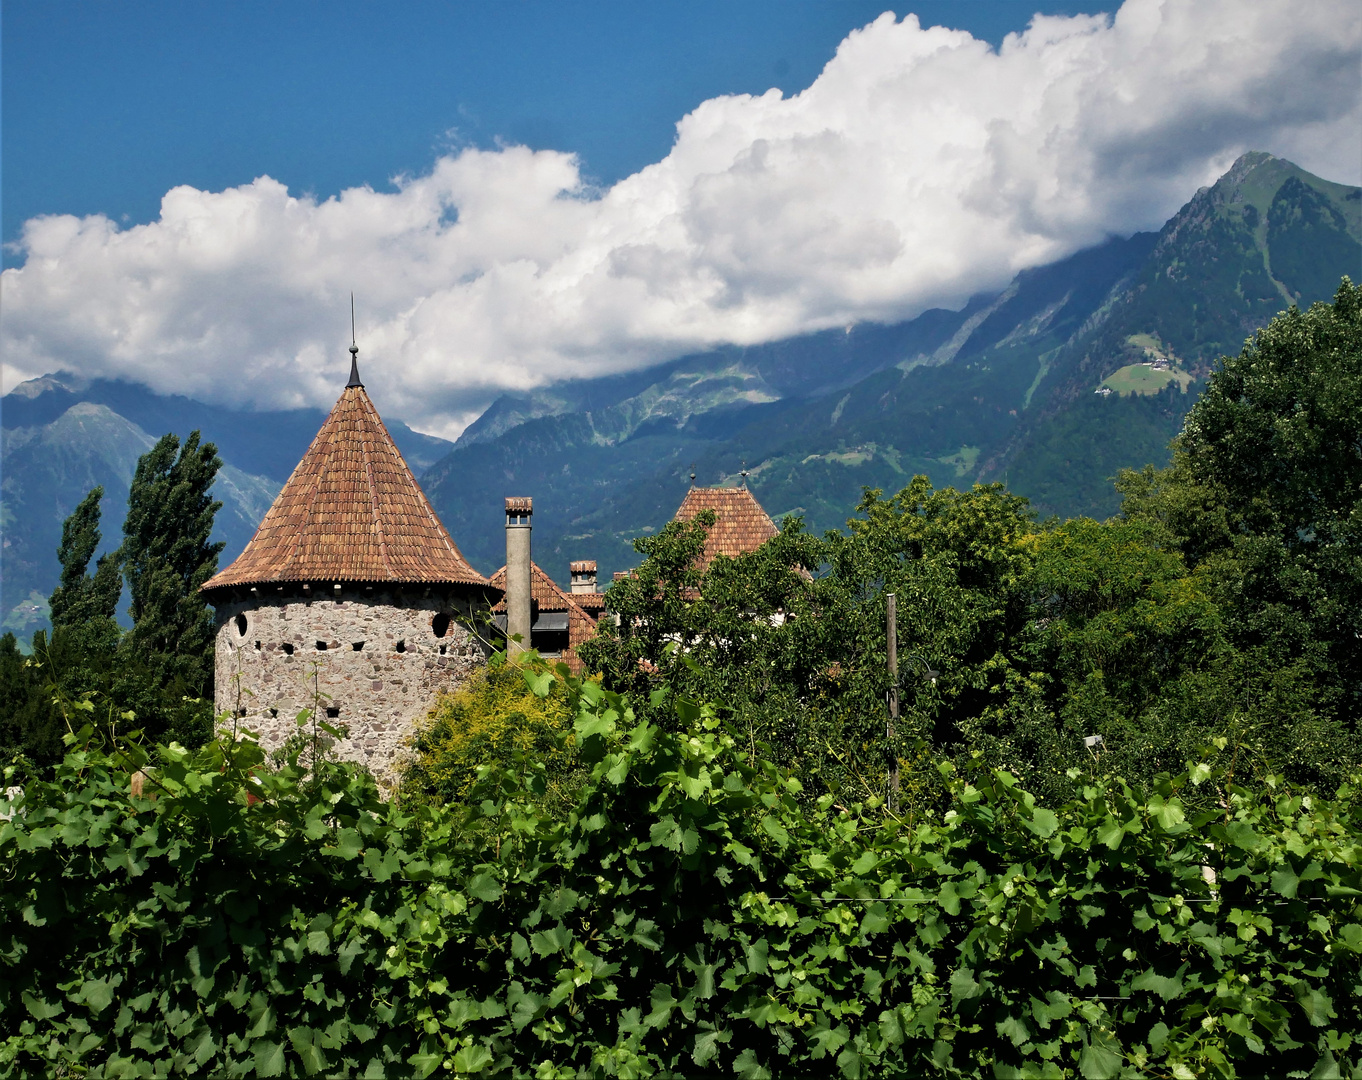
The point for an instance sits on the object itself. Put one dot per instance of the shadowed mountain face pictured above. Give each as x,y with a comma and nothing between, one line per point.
1000,390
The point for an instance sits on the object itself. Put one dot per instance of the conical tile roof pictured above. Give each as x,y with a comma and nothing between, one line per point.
351,511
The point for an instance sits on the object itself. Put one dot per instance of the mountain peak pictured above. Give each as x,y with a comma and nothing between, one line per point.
55,380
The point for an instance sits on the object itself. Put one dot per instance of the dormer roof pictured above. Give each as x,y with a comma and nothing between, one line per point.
351,511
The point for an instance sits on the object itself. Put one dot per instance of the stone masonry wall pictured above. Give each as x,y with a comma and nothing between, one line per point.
379,655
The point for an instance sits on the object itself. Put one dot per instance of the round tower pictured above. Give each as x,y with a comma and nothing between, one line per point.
351,596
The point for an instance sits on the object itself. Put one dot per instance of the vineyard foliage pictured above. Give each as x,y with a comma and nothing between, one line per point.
693,912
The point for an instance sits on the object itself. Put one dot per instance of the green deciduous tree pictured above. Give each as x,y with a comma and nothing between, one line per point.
1264,500
491,720
792,636
1278,432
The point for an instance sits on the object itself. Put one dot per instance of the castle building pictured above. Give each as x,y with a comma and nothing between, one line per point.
533,607
559,621
351,594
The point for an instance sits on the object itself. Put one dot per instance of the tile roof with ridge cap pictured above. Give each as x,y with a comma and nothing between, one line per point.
547,596
544,592
740,525
351,511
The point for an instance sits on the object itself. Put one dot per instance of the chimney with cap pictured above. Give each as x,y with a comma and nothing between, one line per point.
583,576
518,513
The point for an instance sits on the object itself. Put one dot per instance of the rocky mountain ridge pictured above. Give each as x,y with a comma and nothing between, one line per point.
1001,389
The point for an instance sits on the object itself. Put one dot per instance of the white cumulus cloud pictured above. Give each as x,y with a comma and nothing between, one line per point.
920,167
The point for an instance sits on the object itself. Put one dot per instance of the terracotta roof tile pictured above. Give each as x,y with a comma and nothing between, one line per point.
740,525
544,592
547,596
351,511
591,602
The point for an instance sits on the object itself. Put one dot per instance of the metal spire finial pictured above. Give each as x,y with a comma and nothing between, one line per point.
354,350
692,474
744,473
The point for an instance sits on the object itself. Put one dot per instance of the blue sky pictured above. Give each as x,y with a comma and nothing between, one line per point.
108,105
524,192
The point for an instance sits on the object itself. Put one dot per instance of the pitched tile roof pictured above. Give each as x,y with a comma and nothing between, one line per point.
351,511
547,596
544,592
593,603
740,526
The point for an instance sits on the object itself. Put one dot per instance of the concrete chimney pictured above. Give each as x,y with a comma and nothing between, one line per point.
583,576
518,513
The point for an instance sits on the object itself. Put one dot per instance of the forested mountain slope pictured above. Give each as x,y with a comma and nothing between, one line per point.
1004,389
1001,389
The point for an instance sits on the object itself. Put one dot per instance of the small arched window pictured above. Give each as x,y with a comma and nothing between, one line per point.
240,621
439,625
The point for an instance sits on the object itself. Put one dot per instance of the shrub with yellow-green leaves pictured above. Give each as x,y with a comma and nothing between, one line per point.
493,719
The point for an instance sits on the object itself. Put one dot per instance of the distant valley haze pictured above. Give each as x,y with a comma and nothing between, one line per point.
926,244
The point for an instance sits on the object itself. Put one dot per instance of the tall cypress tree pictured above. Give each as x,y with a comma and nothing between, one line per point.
80,599
167,556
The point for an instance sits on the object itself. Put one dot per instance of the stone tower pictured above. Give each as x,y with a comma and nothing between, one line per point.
351,593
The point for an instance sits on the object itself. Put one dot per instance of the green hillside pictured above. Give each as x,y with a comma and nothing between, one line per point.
1001,390
1263,237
